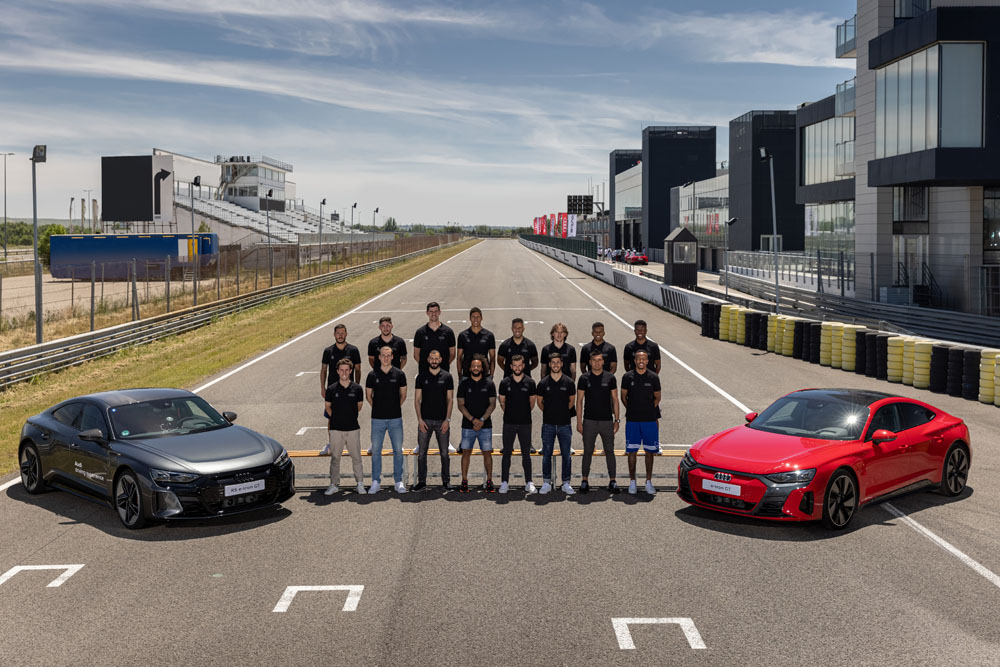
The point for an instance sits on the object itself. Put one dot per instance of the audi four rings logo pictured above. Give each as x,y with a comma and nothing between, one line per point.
723,476
243,477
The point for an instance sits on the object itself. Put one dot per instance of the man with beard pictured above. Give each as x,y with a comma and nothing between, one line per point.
601,346
476,340
596,405
517,344
432,401
341,349
385,389
641,398
641,343
556,394
477,399
384,338
517,398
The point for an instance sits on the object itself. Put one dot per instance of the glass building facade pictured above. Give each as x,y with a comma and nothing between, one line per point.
704,209
628,194
991,219
828,151
830,227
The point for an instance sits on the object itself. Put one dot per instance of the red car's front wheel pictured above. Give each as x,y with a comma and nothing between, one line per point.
840,501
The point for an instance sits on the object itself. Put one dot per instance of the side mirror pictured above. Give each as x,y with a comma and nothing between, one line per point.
93,435
882,435
750,416
229,416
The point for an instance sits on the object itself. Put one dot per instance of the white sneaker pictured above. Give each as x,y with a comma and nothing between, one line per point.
416,450
375,487
572,451
325,451
632,487
451,448
649,488
546,487
330,490
361,489
529,489
400,487
567,489
503,487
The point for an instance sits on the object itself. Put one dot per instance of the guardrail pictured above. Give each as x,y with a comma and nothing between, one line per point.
27,362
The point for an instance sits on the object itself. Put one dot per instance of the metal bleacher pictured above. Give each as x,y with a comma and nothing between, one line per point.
285,226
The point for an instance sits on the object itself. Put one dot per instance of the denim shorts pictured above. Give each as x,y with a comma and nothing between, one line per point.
484,435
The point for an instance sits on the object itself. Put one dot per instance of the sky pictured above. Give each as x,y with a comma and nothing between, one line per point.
470,112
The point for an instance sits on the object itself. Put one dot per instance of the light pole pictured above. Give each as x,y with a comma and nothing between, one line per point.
270,255
321,222
354,206
5,205
37,155
767,157
196,183
725,253
83,218
373,231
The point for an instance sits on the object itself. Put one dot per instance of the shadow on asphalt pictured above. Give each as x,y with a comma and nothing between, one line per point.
475,494
870,515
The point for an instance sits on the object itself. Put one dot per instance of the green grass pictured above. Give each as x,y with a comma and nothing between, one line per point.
183,361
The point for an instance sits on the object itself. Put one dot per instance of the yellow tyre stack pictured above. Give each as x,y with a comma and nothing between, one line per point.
908,344
848,347
741,325
825,344
894,359
836,344
772,331
788,339
724,316
996,383
922,364
734,319
987,376
779,335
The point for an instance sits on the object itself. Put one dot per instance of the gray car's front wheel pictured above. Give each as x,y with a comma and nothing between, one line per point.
31,470
128,500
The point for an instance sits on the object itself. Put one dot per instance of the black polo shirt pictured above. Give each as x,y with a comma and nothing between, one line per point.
567,352
477,397
397,344
385,392
475,343
344,405
525,348
434,393
607,351
597,403
641,405
555,396
333,354
427,339
651,348
517,401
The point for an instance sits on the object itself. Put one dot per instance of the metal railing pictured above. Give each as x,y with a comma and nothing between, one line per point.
847,37
578,246
820,272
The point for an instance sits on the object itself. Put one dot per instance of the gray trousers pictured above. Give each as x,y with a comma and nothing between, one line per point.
351,441
423,442
592,429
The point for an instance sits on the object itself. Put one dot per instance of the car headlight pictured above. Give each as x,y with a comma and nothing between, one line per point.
167,476
688,460
793,476
282,458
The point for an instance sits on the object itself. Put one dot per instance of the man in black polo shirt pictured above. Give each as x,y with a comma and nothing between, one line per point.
434,336
641,343
477,399
556,394
476,340
567,352
597,414
517,344
385,389
386,337
341,349
517,398
598,344
432,400
641,398
343,401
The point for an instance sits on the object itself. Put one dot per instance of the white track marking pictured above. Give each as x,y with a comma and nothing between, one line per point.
625,637
989,575
351,604
722,392
322,326
55,583
7,485
302,431
301,373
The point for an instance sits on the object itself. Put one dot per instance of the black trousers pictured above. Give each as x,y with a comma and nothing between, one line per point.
523,434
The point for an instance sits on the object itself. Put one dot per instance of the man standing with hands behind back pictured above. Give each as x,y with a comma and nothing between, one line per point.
341,349
641,398
343,403
385,389
476,340
432,400
477,399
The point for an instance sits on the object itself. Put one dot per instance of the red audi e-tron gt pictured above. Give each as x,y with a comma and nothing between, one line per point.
824,453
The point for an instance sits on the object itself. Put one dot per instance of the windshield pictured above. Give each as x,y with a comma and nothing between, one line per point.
824,418
165,417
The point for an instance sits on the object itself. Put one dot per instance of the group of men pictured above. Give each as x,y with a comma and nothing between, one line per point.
593,400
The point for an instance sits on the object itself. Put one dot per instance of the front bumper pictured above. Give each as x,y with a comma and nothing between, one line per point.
759,497
205,497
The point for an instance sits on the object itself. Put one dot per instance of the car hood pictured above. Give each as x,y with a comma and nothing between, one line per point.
744,449
208,453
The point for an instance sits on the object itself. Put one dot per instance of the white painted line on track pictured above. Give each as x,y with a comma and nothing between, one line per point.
323,326
55,583
301,373
485,309
989,575
351,604
625,637
302,431
722,392
7,485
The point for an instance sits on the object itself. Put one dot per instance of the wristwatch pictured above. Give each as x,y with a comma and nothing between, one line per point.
447,420
618,421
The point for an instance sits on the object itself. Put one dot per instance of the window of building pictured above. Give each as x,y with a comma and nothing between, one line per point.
828,150
830,227
909,204
991,218
962,95
907,9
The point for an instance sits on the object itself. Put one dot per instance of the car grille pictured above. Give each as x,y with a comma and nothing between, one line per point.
209,498
771,507
724,501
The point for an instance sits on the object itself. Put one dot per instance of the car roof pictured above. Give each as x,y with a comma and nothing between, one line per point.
126,396
856,396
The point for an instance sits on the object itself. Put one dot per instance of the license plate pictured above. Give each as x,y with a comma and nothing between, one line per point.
247,487
719,487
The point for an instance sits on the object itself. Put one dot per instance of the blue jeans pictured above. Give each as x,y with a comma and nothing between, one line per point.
395,430
549,434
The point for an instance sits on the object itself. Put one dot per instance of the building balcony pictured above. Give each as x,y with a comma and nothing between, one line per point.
844,102
847,38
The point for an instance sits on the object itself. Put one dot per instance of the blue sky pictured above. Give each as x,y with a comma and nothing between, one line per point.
475,112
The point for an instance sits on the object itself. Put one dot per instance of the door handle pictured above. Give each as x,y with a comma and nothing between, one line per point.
73,445
43,436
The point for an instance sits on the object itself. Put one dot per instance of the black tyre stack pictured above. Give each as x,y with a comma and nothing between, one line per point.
860,350
871,354
762,331
748,329
939,368
882,355
797,341
815,337
970,374
806,340
956,371
706,318
716,314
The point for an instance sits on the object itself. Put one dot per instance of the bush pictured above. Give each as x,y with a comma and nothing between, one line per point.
43,240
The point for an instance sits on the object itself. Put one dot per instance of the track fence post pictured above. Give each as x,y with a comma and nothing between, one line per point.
93,279
166,280
218,276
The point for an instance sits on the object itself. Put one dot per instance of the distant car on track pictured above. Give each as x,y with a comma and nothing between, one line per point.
824,453
153,454
635,257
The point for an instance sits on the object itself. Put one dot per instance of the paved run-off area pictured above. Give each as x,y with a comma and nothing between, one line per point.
476,579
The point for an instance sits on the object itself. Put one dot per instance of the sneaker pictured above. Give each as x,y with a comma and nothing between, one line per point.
374,488
419,486
445,486
567,489
489,486
632,487
584,486
534,451
613,487
400,487
504,487
451,448
330,490
465,486
416,450
546,487
361,489
325,451
649,487
572,451
529,489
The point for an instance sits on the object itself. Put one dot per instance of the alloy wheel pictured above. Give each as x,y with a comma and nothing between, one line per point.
956,471
127,500
842,500
30,473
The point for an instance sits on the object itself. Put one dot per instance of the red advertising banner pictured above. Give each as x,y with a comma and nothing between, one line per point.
563,225
553,228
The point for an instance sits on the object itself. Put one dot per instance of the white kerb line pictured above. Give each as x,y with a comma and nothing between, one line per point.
322,326
722,392
7,485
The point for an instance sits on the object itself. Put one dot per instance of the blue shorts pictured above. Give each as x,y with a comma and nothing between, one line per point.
483,435
646,434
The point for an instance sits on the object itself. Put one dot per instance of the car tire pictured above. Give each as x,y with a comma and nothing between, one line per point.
31,470
955,470
840,502
128,501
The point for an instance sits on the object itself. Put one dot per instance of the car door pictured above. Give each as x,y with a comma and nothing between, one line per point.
90,459
926,437
892,465
63,424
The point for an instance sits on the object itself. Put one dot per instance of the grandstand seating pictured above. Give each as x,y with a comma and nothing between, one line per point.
284,226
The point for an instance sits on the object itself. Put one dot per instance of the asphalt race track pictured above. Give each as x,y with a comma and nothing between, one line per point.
466,579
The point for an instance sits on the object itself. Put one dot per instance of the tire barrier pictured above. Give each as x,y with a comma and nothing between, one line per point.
996,382
908,344
956,371
848,346
706,318
772,323
922,350
836,345
860,350
939,368
762,320
788,337
882,355
797,341
724,321
871,354
894,359
970,374
739,332
987,375
826,344
815,339
750,332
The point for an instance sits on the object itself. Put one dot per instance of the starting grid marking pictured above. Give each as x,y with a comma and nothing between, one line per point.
624,637
350,604
70,570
